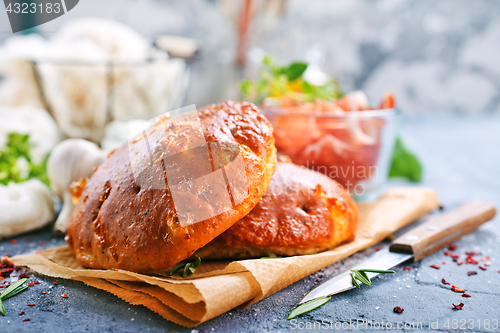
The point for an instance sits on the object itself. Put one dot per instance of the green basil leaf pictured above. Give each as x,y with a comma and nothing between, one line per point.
404,163
309,306
295,70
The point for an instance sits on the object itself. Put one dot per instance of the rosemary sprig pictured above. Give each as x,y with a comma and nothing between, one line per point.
306,307
12,290
188,268
356,275
2,309
361,276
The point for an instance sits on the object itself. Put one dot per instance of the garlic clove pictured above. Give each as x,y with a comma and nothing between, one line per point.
25,206
70,161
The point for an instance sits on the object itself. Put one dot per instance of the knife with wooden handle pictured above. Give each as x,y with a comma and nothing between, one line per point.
417,243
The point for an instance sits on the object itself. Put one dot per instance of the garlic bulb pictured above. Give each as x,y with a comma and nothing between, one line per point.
70,161
25,206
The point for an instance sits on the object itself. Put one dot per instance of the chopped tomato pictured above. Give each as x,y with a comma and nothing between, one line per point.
388,102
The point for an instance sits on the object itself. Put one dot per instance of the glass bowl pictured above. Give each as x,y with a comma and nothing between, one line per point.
353,148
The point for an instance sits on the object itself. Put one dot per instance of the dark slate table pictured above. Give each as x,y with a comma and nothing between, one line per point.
462,161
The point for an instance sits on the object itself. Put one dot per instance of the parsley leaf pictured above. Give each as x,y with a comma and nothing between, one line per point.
16,164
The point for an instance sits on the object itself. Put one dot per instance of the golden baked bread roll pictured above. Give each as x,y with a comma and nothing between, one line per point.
170,191
302,212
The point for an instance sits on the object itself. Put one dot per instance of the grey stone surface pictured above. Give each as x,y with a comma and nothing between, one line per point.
437,56
461,158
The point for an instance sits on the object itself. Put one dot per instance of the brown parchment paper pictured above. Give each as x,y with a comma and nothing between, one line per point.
217,287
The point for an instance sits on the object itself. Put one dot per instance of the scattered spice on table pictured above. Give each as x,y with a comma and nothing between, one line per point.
56,283
459,306
456,289
452,247
45,292
23,275
64,296
485,258
455,256
36,282
42,243
13,241
377,249
460,262
483,268
20,313
31,284
398,309
406,268
31,304
471,260
445,282
466,295
486,264
447,253
26,319
435,266
469,273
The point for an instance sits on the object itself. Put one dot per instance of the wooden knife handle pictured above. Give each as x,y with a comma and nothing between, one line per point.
443,230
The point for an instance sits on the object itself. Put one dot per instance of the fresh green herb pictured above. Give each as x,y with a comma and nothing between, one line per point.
287,81
361,276
172,272
404,163
187,268
354,281
12,290
2,309
356,274
309,306
17,152
295,70
380,271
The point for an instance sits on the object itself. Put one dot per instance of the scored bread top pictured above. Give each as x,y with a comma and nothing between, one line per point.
151,204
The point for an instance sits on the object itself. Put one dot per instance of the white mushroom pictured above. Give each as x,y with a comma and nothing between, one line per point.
70,161
25,206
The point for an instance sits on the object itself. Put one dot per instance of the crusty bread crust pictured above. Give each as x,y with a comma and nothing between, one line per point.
120,225
302,212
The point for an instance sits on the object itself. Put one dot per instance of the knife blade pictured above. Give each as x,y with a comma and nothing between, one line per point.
416,244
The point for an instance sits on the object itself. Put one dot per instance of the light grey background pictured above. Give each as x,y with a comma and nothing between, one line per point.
437,56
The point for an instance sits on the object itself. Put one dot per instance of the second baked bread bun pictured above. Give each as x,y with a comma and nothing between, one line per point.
129,215
302,212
